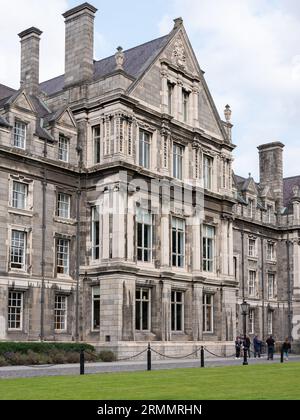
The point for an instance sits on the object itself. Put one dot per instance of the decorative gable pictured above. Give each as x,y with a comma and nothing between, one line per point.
22,101
67,119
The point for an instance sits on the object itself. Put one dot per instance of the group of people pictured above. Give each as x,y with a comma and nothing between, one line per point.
244,343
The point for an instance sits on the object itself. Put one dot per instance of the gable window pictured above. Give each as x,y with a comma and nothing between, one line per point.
207,172
62,256
63,205
97,143
60,313
177,311
177,160
96,308
208,251
250,208
20,134
269,214
63,148
144,235
18,249
142,309
271,285
170,98
144,149
270,251
15,310
19,195
251,321
208,318
252,248
178,239
95,233
185,105
252,283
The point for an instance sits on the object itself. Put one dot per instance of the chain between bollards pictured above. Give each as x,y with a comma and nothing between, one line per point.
81,362
202,357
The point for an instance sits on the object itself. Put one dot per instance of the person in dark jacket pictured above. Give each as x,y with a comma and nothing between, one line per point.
286,347
271,347
238,345
257,346
246,345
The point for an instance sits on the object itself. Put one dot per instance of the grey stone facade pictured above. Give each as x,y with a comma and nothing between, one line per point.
81,268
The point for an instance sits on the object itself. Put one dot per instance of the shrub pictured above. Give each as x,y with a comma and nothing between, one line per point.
3,362
44,348
107,356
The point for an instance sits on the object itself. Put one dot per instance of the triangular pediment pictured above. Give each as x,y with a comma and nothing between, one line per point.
250,186
66,118
267,193
21,100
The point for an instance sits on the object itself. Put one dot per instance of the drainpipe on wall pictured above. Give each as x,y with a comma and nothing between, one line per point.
263,285
43,262
289,289
243,265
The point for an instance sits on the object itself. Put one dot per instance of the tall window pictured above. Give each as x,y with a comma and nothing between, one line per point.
170,97
20,135
62,256
235,267
270,251
269,214
95,233
271,285
142,309
270,322
250,208
60,313
208,250
144,149
251,321
177,160
185,105
96,308
97,143
252,283
15,310
18,250
207,172
63,205
19,195
178,239
252,248
177,311
144,235
208,319
63,148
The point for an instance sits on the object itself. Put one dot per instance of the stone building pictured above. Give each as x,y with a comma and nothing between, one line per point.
121,221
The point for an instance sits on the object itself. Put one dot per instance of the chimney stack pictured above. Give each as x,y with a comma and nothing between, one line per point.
30,59
271,170
79,46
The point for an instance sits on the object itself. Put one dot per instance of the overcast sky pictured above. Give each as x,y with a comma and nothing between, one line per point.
249,50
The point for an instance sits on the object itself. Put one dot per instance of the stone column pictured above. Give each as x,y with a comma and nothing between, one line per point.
166,311
164,88
230,247
165,229
195,99
118,231
105,224
197,312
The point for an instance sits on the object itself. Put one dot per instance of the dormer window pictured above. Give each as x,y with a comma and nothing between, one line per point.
269,214
250,208
63,148
20,135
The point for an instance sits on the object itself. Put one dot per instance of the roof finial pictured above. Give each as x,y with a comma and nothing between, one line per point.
250,175
227,113
178,22
119,56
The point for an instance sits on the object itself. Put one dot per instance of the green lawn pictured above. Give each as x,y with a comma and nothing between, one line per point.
274,381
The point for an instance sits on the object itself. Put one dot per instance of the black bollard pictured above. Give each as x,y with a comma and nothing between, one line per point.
202,356
281,356
149,357
245,362
81,362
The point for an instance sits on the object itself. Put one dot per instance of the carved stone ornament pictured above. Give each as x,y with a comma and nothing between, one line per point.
179,57
119,56
296,191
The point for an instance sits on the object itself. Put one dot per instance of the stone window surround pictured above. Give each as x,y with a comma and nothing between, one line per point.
56,237
27,123
29,201
28,249
142,287
212,294
93,288
65,315
176,290
22,294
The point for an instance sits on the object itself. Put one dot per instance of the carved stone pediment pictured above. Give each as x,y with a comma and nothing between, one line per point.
179,54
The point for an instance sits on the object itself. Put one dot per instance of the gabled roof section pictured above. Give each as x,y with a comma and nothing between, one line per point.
19,98
288,185
3,122
6,91
63,115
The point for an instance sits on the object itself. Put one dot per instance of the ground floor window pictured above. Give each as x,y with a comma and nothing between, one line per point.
15,310
270,322
60,313
96,309
208,324
142,309
177,311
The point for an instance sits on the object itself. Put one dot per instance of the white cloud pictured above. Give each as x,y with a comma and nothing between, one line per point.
251,54
19,15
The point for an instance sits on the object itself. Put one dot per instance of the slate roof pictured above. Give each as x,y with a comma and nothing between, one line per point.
288,185
5,91
3,122
136,61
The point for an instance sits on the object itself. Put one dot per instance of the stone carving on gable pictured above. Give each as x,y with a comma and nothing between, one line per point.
179,56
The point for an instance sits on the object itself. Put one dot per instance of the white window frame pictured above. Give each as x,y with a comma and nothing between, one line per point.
252,274
271,251
61,245
178,155
205,306
251,207
208,242
208,163
15,247
15,197
175,304
60,312
270,322
20,134
271,286
96,130
63,148
179,227
269,213
14,310
139,313
145,220
145,138
251,322
95,298
63,209
252,248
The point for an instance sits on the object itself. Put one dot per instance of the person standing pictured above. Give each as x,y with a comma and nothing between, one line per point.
271,347
238,344
257,346
246,345
286,347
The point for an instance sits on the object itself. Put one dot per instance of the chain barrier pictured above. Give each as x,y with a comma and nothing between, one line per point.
131,357
175,357
217,355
